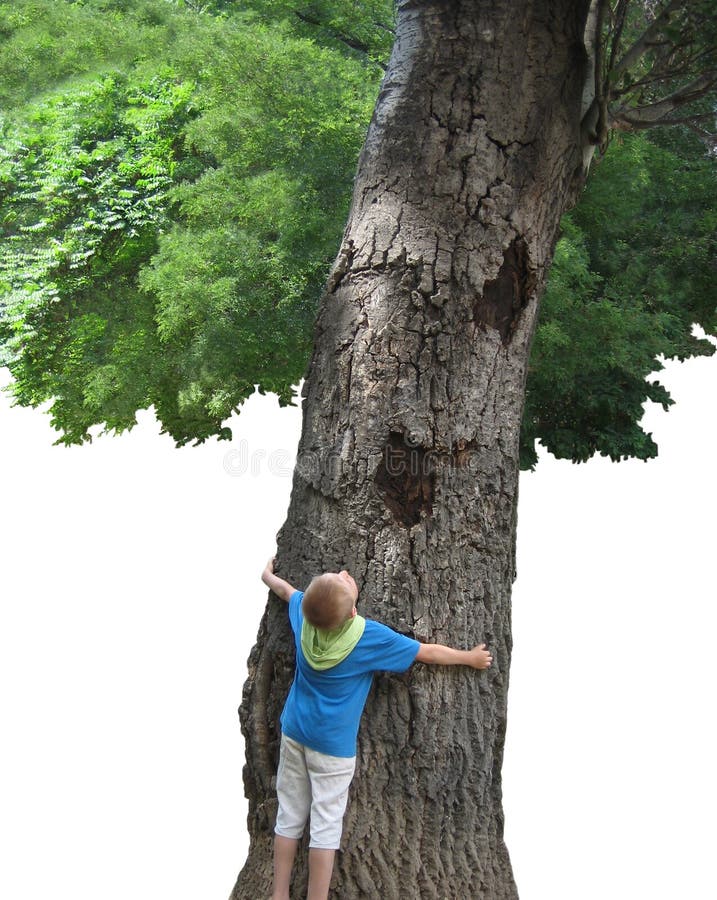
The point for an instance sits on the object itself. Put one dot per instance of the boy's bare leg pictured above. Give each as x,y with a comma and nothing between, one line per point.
321,867
284,853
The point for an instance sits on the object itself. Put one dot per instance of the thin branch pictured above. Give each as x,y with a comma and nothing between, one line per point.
620,17
671,59
646,38
650,79
709,137
682,52
346,39
694,90
592,41
657,113
599,49
636,124
601,85
687,120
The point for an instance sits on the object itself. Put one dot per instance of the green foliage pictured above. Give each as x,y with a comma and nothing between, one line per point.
83,197
238,276
46,42
168,226
90,173
359,27
633,270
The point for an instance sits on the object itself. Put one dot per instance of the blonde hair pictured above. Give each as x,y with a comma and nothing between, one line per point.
327,602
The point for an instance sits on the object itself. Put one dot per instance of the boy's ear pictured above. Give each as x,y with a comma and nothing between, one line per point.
354,612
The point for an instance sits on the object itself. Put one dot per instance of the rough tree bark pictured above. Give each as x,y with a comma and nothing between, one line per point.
407,468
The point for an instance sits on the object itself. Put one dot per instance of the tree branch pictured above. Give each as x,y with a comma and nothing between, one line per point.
619,17
351,42
658,112
646,38
601,85
708,137
391,31
650,79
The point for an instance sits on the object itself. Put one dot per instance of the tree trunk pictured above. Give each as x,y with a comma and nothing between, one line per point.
407,470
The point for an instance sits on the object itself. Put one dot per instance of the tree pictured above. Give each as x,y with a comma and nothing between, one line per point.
414,399
409,455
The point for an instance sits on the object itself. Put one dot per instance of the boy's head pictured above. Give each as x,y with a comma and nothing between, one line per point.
330,600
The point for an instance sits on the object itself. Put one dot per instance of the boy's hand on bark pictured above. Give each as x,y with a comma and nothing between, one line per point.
480,658
279,586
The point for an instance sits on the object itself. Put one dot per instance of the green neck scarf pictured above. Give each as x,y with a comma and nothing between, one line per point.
325,649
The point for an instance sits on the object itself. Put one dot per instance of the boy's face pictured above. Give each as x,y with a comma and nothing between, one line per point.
348,580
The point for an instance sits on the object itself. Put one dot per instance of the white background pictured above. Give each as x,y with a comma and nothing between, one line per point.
131,598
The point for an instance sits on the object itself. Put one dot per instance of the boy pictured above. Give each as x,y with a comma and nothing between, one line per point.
337,652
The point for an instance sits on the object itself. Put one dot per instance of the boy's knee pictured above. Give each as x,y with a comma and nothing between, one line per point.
327,826
293,831
328,847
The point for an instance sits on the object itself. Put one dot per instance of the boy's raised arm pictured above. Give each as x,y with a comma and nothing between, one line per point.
439,655
277,585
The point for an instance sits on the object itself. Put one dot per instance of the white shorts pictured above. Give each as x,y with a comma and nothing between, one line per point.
311,782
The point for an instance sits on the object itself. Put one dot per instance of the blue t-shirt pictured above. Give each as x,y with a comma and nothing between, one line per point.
323,709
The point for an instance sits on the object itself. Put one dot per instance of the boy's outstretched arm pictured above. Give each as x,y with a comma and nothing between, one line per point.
437,654
277,585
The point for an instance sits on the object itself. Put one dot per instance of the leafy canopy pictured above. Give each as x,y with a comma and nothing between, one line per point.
633,270
174,179
168,219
